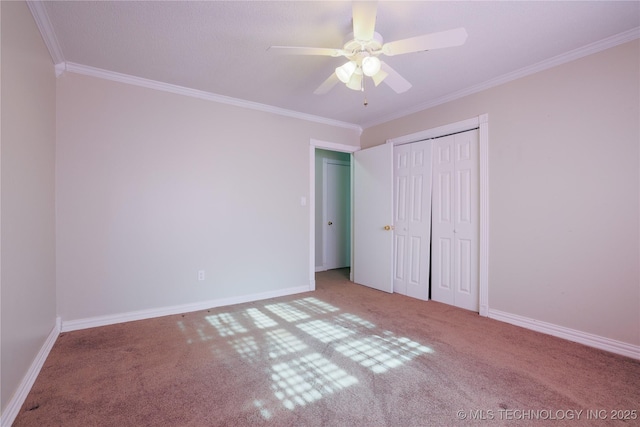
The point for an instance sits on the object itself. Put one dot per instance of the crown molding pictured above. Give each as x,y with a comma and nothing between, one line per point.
194,93
41,18
572,55
43,23
46,30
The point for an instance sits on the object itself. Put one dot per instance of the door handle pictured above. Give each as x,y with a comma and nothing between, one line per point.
329,223
389,227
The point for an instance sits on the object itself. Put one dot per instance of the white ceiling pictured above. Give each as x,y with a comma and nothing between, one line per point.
220,47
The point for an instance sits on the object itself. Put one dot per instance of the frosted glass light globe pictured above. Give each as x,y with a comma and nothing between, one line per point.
370,66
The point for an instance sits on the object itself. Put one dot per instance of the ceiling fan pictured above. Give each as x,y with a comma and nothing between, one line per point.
364,46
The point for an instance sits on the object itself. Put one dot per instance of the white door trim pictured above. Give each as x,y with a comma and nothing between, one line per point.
325,163
482,123
325,145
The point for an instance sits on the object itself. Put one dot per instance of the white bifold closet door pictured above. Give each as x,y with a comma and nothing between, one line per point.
455,220
412,219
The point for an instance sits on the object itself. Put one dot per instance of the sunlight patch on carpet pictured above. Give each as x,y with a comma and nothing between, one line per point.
307,379
287,312
325,331
266,414
199,331
299,375
183,329
281,342
247,348
226,324
353,320
315,305
379,354
272,344
261,320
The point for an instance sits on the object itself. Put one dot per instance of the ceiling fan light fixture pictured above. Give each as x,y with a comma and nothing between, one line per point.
363,47
346,71
355,82
371,66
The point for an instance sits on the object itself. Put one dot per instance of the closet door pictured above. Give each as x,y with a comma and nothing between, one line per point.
454,276
412,219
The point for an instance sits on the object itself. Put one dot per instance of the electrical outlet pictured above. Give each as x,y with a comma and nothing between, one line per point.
200,275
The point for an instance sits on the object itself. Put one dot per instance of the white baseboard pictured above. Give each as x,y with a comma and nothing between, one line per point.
93,322
591,340
13,407
320,268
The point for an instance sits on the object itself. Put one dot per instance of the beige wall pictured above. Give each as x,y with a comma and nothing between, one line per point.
563,190
154,186
27,281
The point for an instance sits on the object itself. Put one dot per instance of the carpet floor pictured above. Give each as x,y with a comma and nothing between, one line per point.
344,355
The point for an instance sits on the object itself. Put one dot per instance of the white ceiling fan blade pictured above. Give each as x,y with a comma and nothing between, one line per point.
327,85
379,76
293,50
395,81
364,19
449,38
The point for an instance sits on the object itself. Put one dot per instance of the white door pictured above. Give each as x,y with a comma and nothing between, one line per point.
454,269
412,219
337,214
372,217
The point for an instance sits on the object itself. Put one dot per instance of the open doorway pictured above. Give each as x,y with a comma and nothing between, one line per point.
332,210
315,209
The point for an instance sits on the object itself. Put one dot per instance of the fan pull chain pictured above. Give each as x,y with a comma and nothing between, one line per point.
362,89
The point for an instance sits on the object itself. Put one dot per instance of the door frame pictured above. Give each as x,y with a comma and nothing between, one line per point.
324,145
325,167
481,123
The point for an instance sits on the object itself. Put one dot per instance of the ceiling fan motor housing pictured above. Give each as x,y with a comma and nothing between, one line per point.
353,47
